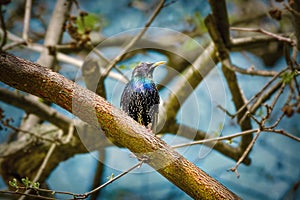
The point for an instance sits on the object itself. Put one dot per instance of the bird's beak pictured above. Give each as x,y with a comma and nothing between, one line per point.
157,64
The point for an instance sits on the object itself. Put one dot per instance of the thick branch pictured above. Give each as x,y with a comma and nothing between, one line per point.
35,107
116,125
220,13
214,24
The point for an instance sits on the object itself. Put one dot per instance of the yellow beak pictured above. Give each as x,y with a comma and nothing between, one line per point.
158,63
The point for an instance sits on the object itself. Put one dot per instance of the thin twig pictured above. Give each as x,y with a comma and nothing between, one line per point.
251,71
75,196
263,98
275,124
60,56
227,137
70,134
13,44
46,159
133,41
259,30
31,133
27,20
259,93
44,164
281,89
283,132
269,129
85,195
28,195
247,150
101,56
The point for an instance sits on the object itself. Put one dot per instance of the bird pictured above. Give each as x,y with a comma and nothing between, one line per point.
140,98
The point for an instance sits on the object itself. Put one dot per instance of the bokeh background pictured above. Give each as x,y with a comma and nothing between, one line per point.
275,167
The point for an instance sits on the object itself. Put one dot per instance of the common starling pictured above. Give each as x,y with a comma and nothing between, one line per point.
140,98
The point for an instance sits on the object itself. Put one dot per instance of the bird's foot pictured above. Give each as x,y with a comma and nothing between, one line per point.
149,127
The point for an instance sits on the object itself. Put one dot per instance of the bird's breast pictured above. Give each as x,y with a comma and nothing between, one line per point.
143,85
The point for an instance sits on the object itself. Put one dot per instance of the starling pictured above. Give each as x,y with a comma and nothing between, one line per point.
140,98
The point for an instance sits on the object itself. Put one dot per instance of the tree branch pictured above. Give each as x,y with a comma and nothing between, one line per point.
116,125
35,107
215,25
27,20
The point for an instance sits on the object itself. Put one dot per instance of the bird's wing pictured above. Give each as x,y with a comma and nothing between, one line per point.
154,110
125,98
154,121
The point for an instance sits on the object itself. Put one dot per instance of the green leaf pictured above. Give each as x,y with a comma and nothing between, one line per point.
88,22
14,183
287,77
229,141
122,67
26,182
36,185
111,176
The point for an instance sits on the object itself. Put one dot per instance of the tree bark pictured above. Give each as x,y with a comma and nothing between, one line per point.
120,128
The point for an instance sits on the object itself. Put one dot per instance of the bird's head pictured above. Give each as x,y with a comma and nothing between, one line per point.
145,70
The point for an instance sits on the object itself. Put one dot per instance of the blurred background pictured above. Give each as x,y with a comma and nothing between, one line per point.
274,172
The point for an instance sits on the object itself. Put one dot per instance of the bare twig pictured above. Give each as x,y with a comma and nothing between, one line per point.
259,30
30,133
227,137
13,44
259,93
264,98
69,135
27,20
28,195
73,195
251,71
269,129
60,56
238,44
85,195
246,152
44,164
191,133
283,132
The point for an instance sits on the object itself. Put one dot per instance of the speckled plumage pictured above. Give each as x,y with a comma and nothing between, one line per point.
140,98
